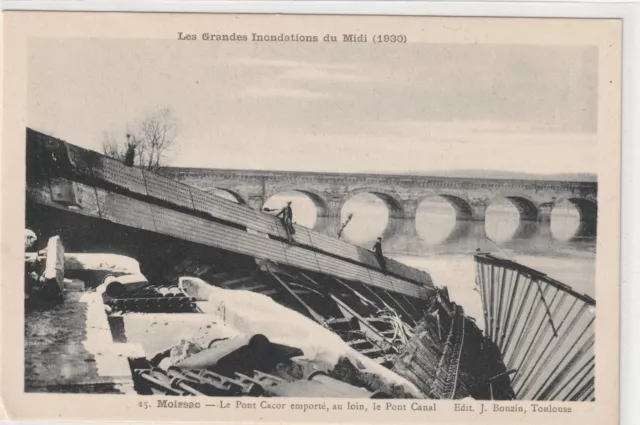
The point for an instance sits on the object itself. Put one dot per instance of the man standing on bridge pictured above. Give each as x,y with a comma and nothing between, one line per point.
130,155
377,248
286,215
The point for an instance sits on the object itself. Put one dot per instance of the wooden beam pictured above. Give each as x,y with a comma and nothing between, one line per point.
366,328
317,317
408,316
369,290
411,307
312,281
306,288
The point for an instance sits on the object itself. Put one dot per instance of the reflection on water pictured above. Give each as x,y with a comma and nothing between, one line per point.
502,220
565,220
436,223
435,220
448,244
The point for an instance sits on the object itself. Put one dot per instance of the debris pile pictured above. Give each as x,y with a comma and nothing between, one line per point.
94,268
449,358
254,367
259,347
271,332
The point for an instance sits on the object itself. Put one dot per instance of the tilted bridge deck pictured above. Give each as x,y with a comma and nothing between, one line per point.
84,182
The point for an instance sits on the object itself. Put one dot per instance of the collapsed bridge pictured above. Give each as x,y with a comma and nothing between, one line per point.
396,317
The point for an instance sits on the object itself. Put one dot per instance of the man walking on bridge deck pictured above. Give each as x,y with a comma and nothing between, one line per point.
377,248
286,215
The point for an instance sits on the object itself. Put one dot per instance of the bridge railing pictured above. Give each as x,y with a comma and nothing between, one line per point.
544,329
92,168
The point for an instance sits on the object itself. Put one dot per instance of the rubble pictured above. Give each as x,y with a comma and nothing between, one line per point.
264,343
250,313
94,268
121,286
254,367
192,337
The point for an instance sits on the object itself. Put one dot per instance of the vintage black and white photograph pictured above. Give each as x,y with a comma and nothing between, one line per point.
292,211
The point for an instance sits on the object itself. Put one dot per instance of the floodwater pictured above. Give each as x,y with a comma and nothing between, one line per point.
568,261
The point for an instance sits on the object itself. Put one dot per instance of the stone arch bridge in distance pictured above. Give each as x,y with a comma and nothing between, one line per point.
402,194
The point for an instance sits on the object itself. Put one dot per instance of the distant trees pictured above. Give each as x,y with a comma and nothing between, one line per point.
147,144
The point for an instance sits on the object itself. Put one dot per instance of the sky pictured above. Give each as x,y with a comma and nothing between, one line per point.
416,107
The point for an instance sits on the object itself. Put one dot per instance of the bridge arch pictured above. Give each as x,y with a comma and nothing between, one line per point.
318,201
229,194
443,218
527,208
500,224
587,209
393,204
382,214
462,207
302,213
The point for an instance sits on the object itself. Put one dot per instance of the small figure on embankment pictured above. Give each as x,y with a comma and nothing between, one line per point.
377,248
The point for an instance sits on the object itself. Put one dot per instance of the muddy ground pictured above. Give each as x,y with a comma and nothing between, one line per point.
55,357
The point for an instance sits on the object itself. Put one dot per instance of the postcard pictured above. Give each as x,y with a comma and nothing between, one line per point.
310,218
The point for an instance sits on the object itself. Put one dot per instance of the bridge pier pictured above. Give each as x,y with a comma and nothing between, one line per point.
466,236
401,236
544,213
543,234
539,237
543,237
478,212
328,210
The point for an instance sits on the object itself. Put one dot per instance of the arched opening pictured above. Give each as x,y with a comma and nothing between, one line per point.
511,217
461,207
370,214
443,218
228,194
306,206
574,219
526,209
435,219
